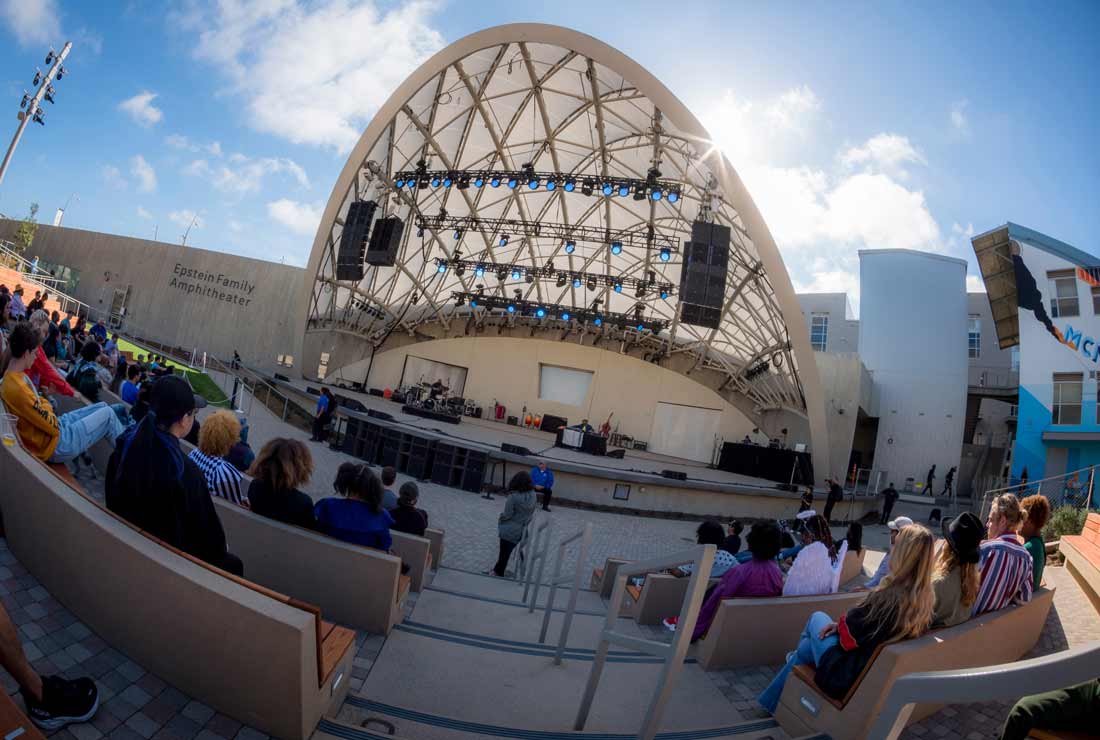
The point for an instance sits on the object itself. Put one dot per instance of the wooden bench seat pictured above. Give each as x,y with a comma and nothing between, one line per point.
62,471
14,723
1082,553
852,567
988,639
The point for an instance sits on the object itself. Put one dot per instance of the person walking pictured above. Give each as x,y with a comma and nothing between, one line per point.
518,512
836,493
930,481
543,478
326,405
948,480
889,498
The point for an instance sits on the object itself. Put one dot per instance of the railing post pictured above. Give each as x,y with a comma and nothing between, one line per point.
582,559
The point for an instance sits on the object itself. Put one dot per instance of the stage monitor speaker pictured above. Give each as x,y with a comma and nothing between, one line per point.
314,391
551,423
375,414
377,392
353,240
514,449
350,404
282,377
617,454
385,240
674,474
513,421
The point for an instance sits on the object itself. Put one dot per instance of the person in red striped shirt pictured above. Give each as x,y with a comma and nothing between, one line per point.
1005,565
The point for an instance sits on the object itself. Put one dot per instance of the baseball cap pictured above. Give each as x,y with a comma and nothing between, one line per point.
900,523
171,398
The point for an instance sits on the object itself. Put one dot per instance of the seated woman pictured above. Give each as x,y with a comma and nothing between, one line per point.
153,485
282,465
1038,511
854,538
816,568
899,609
42,372
215,438
760,577
407,518
240,454
358,517
1006,569
710,533
955,577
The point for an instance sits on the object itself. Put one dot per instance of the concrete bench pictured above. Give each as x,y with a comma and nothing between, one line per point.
660,595
852,567
1082,552
256,655
755,632
989,639
14,724
603,579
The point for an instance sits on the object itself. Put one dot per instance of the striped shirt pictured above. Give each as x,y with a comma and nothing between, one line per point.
1006,575
221,477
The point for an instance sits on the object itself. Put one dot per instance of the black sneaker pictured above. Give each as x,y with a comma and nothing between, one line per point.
63,702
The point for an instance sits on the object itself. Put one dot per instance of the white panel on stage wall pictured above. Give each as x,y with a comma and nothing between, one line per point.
421,370
684,431
564,384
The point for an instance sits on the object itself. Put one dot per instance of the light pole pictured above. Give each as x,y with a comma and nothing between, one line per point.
62,211
30,106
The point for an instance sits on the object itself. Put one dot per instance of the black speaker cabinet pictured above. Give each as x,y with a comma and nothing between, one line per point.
675,474
514,449
353,240
385,240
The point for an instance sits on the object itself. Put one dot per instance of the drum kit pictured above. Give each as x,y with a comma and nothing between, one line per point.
420,396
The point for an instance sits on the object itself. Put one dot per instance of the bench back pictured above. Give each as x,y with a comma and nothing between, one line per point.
853,566
755,632
1091,530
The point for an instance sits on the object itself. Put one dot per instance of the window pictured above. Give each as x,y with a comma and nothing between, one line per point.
564,384
974,336
1063,293
1066,406
1096,301
284,360
819,331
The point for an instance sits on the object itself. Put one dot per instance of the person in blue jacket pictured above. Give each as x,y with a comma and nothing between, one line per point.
326,405
543,478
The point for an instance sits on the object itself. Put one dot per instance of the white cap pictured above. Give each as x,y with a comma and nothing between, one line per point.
900,523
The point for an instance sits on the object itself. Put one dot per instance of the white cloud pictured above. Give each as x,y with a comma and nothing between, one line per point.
112,177
873,210
141,109
144,213
214,148
959,119
179,141
34,22
301,218
314,73
246,175
884,152
185,217
975,284
144,173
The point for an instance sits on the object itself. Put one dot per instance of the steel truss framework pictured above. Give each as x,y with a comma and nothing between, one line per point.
522,94
651,187
542,314
647,285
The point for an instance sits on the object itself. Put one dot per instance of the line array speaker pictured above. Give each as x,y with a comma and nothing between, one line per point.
703,274
353,240
385,241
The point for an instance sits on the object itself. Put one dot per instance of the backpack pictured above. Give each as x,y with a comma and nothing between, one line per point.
84,378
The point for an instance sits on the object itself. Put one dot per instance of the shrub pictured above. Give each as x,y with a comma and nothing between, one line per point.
1064,520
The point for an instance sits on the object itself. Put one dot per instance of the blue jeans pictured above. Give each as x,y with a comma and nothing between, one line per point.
790,552
84,427
809,651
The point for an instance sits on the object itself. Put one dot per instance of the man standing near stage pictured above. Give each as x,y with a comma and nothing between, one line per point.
543,478
889,497
836,493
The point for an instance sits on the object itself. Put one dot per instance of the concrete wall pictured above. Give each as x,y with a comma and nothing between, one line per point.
507,370
913,341
179,295
993,366
842,380
843,330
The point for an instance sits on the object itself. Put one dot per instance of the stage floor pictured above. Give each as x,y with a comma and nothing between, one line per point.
492,433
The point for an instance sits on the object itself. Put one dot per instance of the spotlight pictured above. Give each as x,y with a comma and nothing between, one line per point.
60,72
460,302
608,189
640,292
570,185
420,231
448,181
565,316
561,281
37,78
473,303
512,182
655,195
460,270
639,192
530,278
665,254
511,308
26,99
442,268
49,57
479,182
504,240
540,312
463,182
576,282
502,273
413,183
640,327
591,283
624,190
618,287
570,247
533,183
516,274
587,187
673,197
616,247
597,321
435,181
664,294
495,182
398,183
479,271
458,233
550,185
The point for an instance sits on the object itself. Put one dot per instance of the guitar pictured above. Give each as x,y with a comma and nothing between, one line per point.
605,428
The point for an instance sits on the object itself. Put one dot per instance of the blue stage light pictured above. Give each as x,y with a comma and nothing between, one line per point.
550,184
495,182
664,294
576,282
447,182
442,268
673,197
665,254
540,312
479,181
533,183
608,189
504,240
641,327
565,316
412,184
618,287
624,190
473,303
570,186
616,247
435,182
511,308
516,274
570,247
458,234
655,195
399,183
479,271
597,321
513,182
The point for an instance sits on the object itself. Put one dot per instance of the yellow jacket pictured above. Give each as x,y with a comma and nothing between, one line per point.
38,426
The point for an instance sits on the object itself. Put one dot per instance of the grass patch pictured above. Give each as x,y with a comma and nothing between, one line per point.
200,382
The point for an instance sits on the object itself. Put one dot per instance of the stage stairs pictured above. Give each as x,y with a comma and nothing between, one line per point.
466,663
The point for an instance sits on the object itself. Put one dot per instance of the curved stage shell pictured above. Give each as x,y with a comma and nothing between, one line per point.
560,102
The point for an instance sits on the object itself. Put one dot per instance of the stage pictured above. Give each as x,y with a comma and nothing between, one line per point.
632,483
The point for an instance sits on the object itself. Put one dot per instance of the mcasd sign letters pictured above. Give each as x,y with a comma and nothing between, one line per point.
217,286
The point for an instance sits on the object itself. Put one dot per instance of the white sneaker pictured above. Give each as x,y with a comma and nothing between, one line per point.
669,623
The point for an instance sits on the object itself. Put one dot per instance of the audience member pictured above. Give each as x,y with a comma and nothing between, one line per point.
1074,709
53,334
44,434
407,518
51,701
326,406
42,372
106,377
389,498
518,512
128,391
17,309
710,532
815,566
344,475
759,577
240,454
853,537
99,331
1005,564
884,565
955,579
35,304
218,434
153,485
84,375
358,517
732,543
543,479
806,503
67,322
1038,512
192,437
282,465
900,609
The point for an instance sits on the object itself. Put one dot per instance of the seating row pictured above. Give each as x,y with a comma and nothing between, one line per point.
1082,553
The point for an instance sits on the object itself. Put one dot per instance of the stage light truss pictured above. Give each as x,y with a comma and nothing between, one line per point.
641,286
556,312
504,229
366,307
651,188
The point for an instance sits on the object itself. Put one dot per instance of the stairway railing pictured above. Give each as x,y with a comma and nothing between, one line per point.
559,579
541,549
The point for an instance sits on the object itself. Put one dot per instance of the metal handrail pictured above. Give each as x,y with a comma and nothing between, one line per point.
673,653
541,551
969,685
585,536
992,493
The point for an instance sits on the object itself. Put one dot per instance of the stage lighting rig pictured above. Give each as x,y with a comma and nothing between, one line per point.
536,310
642,286
651,187
30,105
757,370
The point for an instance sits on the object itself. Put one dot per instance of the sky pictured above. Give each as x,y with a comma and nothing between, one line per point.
854,125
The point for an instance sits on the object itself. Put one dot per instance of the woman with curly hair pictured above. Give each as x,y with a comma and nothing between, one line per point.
816,568
218,434
281,467
1038,512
